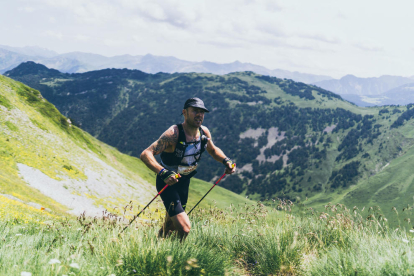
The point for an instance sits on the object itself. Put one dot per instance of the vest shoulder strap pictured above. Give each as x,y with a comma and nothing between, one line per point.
181,134
203,141
180,146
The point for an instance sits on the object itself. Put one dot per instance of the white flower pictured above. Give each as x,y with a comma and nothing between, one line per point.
54,261
20,235
412,231
74,265
26,273
404,240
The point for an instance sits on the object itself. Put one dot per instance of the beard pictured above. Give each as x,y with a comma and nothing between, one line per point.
196,122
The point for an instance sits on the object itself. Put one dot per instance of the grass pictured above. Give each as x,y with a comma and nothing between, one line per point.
5,102
241,240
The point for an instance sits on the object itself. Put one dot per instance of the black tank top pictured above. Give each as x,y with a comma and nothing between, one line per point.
186,154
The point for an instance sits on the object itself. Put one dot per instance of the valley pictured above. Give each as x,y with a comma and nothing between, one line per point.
291,140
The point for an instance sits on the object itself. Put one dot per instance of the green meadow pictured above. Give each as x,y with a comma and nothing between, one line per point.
240,240
365,230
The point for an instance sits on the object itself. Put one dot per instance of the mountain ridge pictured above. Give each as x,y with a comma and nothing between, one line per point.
351,84
78,62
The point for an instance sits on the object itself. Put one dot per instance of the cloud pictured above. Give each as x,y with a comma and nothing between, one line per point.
341,15
93,11
81,37
321,38
171,12
28,9
272,5
221,43
53,34
368,48
114,42
272,29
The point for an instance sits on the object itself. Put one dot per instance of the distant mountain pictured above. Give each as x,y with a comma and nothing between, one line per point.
8,60
33,51
401,95
350,84
78,62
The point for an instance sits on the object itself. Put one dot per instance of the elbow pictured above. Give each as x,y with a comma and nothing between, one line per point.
143,155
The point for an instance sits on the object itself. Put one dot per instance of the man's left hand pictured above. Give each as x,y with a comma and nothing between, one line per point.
230,167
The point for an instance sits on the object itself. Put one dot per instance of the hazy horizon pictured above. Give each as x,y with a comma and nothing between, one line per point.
365,39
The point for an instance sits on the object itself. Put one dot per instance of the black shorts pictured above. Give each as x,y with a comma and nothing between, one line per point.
174,197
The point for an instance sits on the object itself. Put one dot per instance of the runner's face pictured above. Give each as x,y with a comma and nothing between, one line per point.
195,116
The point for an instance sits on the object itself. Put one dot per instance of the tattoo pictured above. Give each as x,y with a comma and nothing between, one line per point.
166,140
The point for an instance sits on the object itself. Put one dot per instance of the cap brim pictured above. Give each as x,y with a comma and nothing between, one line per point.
201,107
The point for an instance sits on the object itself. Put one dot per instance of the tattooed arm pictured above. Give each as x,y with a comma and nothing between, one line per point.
166,142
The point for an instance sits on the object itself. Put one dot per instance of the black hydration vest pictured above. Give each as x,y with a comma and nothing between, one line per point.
175,158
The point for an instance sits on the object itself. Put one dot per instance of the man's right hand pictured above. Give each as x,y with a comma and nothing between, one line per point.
170,177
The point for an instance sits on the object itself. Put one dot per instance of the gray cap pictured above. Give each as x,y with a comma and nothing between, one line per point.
195,102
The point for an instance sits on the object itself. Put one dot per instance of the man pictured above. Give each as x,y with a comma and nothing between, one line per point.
181,147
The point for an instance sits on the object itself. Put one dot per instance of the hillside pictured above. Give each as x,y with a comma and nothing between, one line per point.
49,167
289,139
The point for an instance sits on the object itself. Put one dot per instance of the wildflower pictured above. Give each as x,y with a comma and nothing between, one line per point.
26,273
404,240
74,265
169,259
412,231
192,262
18,234
54,261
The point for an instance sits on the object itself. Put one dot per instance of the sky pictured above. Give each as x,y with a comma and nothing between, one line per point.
324,37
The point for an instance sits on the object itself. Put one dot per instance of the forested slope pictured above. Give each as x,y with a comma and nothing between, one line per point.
289,139
49,167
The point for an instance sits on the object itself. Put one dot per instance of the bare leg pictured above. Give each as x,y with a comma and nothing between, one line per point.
167,227
182,225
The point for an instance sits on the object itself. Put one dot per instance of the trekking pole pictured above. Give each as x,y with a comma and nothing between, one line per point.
224,174
165,187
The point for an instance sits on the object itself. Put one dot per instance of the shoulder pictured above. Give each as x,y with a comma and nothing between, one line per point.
172,130
171,134
206,131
